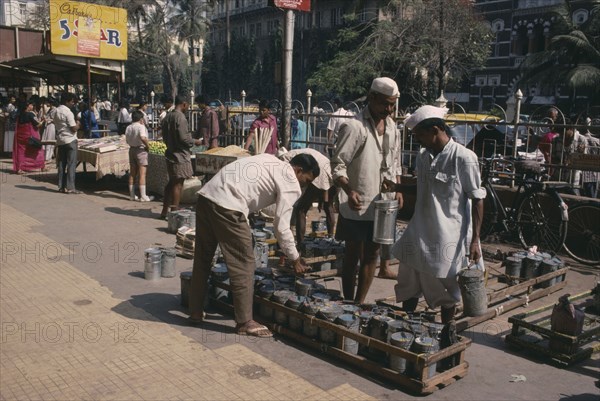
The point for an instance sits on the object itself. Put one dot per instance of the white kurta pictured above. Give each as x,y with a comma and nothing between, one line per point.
438,236
365,159
253,183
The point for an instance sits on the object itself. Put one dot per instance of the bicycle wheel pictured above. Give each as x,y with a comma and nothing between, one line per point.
490,216
541,226
583,238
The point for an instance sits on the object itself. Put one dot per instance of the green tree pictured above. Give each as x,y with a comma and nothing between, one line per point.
414,40
157,46
573,55
189,19
40,17
239,65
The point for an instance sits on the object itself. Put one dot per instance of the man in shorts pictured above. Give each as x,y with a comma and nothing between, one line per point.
367,152
179,141
136,136
443,234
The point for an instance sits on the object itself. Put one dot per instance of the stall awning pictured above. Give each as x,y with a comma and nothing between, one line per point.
67,70
13,77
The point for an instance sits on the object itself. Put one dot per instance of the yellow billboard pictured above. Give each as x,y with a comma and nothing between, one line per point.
88,30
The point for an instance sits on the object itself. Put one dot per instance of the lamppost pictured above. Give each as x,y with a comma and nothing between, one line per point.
153,112
192,99
518,98
243,95
441,101
308,107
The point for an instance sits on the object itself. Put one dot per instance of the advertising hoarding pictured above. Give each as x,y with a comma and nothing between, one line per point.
88,30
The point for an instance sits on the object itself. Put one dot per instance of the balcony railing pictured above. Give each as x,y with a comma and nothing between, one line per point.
538,3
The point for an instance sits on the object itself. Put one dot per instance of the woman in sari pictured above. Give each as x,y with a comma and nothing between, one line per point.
28,154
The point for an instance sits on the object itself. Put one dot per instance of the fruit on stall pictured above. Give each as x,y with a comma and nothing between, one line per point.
157,147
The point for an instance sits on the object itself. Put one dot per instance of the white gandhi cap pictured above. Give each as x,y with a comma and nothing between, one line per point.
385,86
424,113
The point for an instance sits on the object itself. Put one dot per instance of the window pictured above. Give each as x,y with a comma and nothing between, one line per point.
497,25
336,16
272,26
494,80
258,29
318,19
580,16
362,15
23,10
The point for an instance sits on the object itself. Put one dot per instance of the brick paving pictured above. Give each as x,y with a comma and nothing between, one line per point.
61,340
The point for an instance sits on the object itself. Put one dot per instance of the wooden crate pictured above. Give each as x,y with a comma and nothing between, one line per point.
420,382
531,331
501,297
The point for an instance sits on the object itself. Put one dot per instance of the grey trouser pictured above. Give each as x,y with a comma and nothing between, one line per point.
67,165
229,229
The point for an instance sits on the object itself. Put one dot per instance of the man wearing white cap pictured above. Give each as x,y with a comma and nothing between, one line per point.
366,154
445,226
320,190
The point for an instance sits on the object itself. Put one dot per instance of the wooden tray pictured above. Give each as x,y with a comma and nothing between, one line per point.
501,297
420,382
531,331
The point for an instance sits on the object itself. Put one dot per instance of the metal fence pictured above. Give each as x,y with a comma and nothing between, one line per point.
485,137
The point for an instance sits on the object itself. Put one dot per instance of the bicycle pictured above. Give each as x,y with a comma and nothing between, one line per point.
536,220
583,237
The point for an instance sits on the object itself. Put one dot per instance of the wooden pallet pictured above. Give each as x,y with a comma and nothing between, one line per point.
501,297
420,382
531,331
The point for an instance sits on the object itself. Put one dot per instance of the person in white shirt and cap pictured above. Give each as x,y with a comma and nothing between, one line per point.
239,188
367,152
443,235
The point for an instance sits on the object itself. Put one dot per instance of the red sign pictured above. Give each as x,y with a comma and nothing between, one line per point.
300,5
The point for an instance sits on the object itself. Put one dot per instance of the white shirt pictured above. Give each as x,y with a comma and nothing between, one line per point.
365,159
253,183
63,121
335,121
134,133
124,116
438,236
324,181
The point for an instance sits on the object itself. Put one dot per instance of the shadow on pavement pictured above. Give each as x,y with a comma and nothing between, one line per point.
38,188
167,308
133,212
580,397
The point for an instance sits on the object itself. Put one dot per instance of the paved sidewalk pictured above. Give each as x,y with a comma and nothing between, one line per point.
61,340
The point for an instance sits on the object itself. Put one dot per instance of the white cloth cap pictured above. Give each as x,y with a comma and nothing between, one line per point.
385,86
281,151
423,113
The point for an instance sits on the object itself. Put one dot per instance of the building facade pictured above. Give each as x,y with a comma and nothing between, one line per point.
255,19
17,12
521,28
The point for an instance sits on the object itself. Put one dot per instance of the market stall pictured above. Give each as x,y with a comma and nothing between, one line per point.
109,155
203,162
